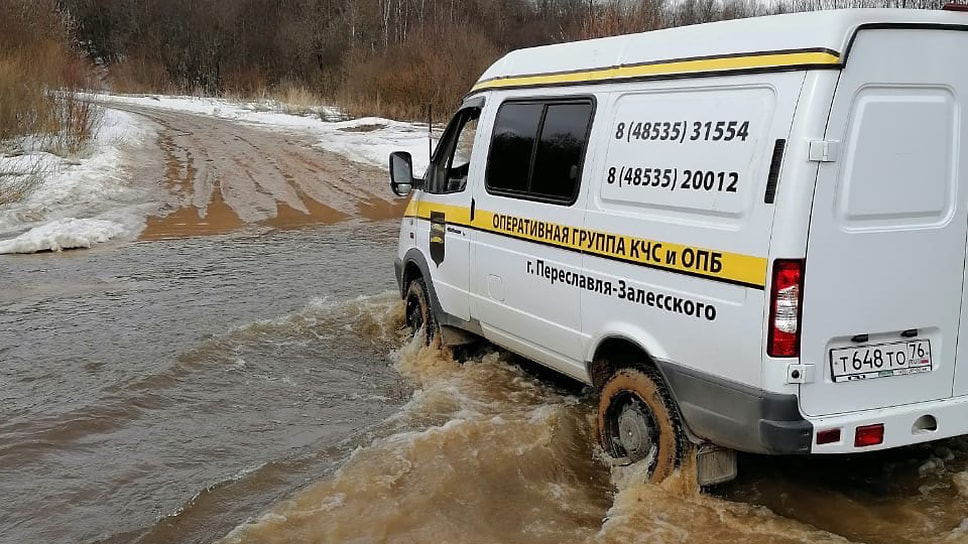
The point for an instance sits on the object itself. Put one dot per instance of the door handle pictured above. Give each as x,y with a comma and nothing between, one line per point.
473,203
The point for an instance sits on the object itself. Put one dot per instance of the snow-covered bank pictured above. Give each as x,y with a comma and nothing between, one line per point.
368,140
45,193
63,234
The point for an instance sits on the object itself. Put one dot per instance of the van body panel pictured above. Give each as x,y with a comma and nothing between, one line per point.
452,274
886,254
513,306
442,215
708,198
794,197
737,416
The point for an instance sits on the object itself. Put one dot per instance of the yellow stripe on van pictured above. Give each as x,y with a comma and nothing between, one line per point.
695,261
693,66
457,215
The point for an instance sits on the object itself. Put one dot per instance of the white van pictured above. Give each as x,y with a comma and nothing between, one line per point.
750,233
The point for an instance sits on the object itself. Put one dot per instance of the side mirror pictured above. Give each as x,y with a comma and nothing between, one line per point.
401,173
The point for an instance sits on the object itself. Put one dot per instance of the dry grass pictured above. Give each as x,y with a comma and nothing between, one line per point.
287,97
245,82
40,96
296,99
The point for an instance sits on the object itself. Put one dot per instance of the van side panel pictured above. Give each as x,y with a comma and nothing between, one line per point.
524,269
886,253
794,199
685,173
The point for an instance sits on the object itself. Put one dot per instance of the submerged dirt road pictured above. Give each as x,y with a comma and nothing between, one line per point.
226,380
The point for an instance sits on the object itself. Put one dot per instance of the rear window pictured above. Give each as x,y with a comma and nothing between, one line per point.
538,149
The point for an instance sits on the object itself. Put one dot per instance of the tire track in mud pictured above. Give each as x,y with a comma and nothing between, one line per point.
223,176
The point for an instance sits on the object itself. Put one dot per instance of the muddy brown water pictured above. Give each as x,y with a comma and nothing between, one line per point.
255,386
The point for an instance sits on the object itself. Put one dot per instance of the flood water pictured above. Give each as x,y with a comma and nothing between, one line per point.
257,387
173,388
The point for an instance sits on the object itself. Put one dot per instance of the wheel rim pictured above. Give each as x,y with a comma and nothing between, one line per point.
415,317
635,431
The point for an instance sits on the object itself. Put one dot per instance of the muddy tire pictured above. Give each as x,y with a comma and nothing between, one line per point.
419,313
638,422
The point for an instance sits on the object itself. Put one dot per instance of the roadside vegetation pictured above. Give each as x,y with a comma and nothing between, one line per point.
373,57
42,76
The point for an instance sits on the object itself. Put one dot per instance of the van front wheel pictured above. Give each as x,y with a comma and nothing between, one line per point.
419,314
638,422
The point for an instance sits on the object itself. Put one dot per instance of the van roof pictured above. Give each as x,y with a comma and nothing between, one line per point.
818,39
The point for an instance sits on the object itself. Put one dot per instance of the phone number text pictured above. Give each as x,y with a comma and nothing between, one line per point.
673,179
683,131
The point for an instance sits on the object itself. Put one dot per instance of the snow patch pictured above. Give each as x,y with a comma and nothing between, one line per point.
94,184
63,234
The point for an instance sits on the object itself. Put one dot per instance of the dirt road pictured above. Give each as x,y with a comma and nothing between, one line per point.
223,175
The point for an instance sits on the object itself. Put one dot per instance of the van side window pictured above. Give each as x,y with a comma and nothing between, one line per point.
515,131
452,160
538,149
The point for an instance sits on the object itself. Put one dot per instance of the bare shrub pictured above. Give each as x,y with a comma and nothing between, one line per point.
78,120
612,19
41,106
399,82
139,75
20,174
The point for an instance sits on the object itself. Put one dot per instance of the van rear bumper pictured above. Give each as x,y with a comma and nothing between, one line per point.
737,416
901,425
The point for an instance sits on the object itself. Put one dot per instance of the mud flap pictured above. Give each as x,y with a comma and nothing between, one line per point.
715,464
438,233
452,336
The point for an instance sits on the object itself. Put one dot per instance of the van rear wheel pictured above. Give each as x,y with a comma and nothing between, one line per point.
419,314
638,422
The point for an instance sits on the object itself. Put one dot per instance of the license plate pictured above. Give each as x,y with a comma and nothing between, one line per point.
880,360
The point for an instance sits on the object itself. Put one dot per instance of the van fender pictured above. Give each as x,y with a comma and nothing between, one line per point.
652,349
416,257
726,413
626,331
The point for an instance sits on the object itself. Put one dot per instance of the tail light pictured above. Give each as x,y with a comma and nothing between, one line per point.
786,294
869,435
828,436
955,6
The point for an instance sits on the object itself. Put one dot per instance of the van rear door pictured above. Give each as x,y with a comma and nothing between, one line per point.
886,251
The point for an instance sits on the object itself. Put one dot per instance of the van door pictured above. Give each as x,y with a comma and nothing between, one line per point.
444,208
886,251
526,272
